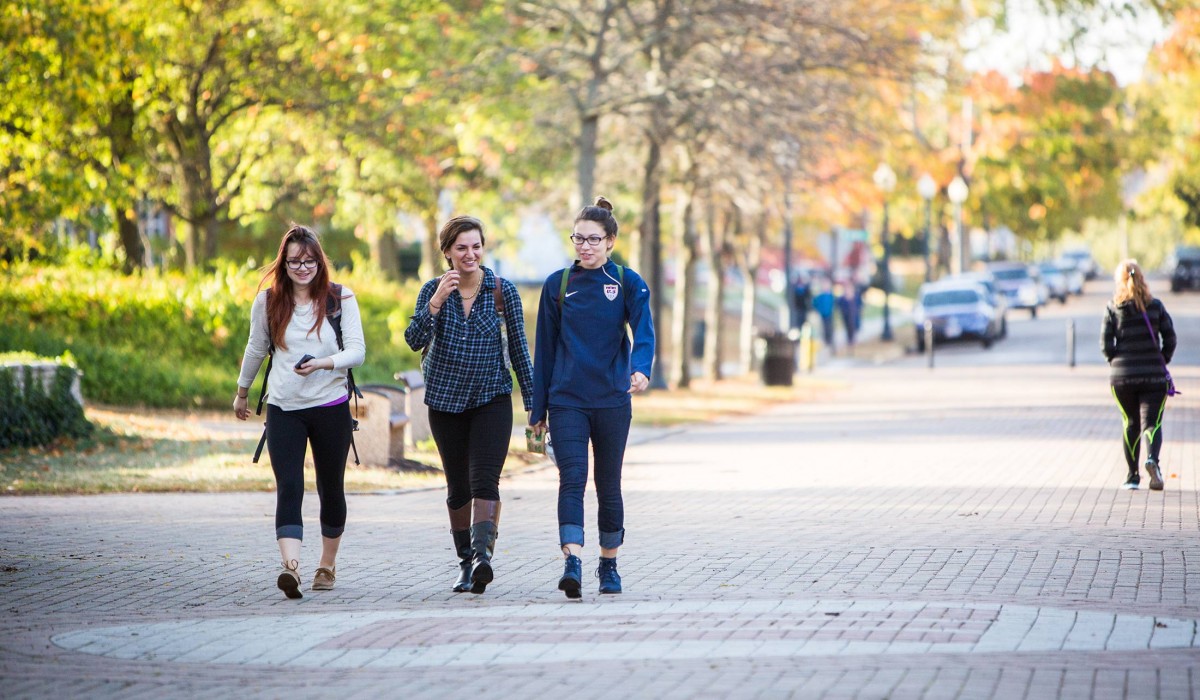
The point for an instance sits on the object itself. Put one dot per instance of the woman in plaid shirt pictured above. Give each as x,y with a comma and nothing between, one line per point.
467,343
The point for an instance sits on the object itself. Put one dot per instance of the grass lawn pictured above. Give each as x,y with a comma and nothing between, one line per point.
203,451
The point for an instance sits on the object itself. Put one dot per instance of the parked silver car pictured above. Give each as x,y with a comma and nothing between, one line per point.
1018,285
995,297
1055,280
955,309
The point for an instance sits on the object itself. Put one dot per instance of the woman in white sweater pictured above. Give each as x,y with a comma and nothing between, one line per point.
308,401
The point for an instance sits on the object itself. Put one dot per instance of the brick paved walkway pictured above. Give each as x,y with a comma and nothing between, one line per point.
915,534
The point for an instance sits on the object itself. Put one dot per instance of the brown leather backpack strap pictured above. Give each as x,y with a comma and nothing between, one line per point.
498,296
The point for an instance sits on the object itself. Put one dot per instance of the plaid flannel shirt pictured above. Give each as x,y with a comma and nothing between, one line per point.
465,367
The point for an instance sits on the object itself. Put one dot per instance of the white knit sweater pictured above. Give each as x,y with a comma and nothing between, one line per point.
286,389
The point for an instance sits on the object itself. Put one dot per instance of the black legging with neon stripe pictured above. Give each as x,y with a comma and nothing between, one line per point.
1141,411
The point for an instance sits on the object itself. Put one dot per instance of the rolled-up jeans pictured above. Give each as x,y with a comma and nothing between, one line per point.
608,430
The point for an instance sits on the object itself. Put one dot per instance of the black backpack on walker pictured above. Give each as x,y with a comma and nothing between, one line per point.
333,313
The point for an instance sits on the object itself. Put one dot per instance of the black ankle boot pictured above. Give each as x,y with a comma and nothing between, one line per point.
483,542
462,546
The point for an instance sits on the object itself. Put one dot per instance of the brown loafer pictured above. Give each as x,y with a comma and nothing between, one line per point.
289,580
323,579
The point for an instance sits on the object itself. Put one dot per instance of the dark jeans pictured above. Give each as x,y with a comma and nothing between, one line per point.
1141,413
473,445
289,433
608,430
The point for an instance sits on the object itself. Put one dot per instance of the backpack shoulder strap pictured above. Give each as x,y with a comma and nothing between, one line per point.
498,296
262,390
562,287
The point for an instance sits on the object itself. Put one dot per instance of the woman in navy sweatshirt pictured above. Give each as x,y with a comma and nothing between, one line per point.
584,373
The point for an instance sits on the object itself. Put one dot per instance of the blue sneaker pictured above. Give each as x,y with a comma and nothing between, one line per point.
610,580
572,578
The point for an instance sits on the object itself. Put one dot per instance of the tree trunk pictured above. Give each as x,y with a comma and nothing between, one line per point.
432,263
681,332
589,136
711,364
714,338
749,262
198,201
123,149
649,246
384,252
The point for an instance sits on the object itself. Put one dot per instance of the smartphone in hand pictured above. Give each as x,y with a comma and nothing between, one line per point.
304,359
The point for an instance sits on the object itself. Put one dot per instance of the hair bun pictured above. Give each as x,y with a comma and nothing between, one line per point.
603,203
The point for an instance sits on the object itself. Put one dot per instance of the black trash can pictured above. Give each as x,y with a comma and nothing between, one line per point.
779,359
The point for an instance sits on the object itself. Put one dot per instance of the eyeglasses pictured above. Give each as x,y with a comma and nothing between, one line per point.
590,240
302,264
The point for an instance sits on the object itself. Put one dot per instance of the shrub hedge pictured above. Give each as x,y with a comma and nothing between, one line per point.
35,416
172,339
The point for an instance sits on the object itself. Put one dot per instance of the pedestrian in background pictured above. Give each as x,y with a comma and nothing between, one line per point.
584,373
823,303
292,321
1138,340
470,326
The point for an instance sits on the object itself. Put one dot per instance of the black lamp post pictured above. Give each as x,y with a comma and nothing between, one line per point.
885,180
786,156
927,188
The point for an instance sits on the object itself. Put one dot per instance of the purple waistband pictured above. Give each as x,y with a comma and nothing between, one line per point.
335,402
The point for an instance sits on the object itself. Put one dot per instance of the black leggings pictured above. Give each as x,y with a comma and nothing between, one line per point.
473,445
1141,412
288,434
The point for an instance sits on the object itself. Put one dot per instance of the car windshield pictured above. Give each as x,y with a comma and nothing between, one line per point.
1049,269
950,297
1018,273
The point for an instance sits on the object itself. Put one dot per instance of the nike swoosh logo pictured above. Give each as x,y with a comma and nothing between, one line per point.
570,293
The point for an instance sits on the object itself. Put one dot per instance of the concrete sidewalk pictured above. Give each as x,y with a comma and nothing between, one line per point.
956,535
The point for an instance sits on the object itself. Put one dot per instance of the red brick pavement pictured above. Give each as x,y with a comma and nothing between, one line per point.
955,534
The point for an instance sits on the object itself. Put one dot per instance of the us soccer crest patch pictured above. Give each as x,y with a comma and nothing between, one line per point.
610,291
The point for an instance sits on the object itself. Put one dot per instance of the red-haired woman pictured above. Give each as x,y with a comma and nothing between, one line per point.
308,401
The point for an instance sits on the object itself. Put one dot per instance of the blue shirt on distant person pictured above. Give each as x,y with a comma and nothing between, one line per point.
582,356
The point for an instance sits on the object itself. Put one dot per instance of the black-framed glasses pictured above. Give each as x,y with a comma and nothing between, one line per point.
590,240
302,264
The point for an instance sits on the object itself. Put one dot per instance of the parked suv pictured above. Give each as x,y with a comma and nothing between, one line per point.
1018,285
1186,274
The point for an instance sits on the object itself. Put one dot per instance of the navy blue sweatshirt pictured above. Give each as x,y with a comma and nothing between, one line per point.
583,358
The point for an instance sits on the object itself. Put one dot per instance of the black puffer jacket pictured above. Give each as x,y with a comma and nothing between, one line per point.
1132,351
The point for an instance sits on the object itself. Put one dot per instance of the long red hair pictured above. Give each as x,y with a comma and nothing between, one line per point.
280,302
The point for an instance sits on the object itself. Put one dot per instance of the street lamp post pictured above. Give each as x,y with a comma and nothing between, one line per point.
957,191
927,188
885,180
786,157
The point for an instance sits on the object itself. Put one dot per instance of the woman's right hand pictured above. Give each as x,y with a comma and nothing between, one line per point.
241,407
446,283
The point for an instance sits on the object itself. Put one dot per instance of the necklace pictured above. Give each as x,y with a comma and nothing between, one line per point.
469,298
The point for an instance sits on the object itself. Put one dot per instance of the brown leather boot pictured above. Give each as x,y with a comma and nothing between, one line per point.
460,530
485,522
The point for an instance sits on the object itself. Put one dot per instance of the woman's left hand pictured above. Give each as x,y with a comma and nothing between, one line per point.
638,382
313,365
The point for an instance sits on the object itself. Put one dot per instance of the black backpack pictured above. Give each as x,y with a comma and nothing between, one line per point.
333,313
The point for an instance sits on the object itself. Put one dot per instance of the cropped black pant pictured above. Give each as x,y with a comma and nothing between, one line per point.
328,429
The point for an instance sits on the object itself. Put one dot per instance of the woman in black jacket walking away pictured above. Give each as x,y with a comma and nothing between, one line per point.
1138,341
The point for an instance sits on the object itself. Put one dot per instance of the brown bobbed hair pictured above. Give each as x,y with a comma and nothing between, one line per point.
280,302
1131,285
601,213
455,227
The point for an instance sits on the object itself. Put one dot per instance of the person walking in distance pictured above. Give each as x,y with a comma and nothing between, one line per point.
1138,340
585,370
469,324
312,332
